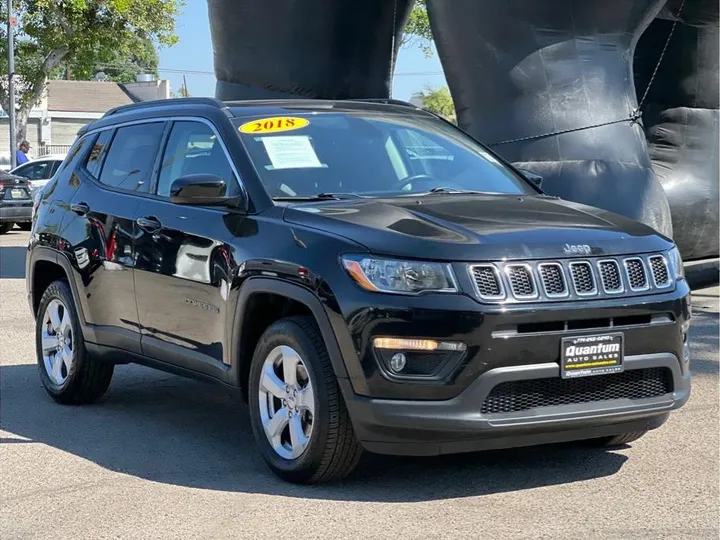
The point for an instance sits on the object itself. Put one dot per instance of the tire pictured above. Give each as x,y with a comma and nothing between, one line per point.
618,440
85,380
5,227
25,226
331,451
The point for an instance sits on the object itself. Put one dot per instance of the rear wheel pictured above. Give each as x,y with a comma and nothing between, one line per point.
298,416
68,373
618,440
25,226
5,227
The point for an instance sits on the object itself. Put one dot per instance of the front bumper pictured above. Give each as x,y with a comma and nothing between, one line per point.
407,427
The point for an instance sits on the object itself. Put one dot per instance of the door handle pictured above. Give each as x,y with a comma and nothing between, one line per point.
148,224
80,208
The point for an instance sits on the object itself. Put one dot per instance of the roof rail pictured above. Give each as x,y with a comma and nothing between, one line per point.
387,101
212,102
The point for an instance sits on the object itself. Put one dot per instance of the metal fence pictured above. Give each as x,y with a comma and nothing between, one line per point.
53,149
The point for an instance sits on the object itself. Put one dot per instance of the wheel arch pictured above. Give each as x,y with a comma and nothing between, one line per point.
47,258
242,342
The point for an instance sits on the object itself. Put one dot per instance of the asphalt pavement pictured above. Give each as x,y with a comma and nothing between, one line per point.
162,457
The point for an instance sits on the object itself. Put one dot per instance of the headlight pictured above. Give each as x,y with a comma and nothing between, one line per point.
401,277
676,263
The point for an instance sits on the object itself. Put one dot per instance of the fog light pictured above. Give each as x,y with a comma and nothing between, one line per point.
397,362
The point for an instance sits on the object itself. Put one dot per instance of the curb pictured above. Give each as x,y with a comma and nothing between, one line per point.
704,273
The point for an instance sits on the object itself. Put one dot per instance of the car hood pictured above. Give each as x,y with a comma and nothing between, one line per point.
478,227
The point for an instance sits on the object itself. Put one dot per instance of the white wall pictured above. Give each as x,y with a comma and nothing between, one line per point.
148,91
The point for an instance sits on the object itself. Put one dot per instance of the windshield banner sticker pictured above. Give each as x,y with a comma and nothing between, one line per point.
291,152
274,125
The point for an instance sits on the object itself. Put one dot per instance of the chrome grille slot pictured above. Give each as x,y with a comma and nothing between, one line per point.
660,272
610,276
636,274
488,284
582,278
521,280
553,280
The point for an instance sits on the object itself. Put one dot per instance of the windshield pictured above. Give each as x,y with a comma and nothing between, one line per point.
369,154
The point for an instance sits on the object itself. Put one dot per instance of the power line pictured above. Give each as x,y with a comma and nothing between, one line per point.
119,65
198,72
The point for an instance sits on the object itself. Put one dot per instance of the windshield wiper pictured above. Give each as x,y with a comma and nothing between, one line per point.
319,197
441,189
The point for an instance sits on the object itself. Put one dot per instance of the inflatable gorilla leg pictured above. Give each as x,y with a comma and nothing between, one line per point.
681,119
305,48
524,68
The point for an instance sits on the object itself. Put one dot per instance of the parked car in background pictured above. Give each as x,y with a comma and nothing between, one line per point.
15,202
39,171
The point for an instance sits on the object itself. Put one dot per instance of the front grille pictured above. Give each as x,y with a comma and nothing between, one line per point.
487,281
610,276
553,279
571,279
516,396
636,274
659,269
522,284
582,277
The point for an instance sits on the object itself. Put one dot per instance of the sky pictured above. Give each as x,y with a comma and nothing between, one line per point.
193,57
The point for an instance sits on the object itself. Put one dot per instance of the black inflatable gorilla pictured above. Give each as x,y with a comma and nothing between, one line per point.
681,118
550,85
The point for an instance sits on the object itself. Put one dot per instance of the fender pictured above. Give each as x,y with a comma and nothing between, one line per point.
42,253
301,295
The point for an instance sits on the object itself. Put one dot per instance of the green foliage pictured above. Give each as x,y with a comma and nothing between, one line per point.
417,29
439,101
82,35
137,55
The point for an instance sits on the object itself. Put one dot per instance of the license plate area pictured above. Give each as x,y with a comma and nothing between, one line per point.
585,356
18,194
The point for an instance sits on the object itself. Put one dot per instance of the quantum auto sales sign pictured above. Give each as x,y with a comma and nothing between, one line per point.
582,356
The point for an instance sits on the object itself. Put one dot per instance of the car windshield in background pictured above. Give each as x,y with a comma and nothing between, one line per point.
369,154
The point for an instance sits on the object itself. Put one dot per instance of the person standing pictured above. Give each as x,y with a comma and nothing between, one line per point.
21,156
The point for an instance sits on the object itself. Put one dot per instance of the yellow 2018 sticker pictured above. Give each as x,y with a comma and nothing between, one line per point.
274,125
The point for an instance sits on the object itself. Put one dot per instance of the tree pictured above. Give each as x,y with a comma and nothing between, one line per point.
81,34
439,101
417,29
138,55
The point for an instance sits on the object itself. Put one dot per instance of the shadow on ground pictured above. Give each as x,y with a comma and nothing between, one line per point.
12,261
177,431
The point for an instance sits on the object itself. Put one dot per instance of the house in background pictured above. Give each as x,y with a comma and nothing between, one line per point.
69,105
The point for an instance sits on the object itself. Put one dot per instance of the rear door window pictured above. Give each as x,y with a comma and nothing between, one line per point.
95,159
131,157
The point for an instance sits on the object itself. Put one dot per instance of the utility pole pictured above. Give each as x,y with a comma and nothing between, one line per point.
11,24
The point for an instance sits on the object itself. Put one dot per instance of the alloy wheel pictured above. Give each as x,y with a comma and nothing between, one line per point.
287,402
57,342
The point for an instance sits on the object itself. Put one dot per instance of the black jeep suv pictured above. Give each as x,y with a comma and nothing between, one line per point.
366,273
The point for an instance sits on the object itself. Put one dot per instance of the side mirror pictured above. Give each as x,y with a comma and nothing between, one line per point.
532,177
203,190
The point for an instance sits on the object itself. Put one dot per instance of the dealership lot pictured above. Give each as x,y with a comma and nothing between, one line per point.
165,457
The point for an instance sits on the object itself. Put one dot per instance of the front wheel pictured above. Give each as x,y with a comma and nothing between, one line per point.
298,415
